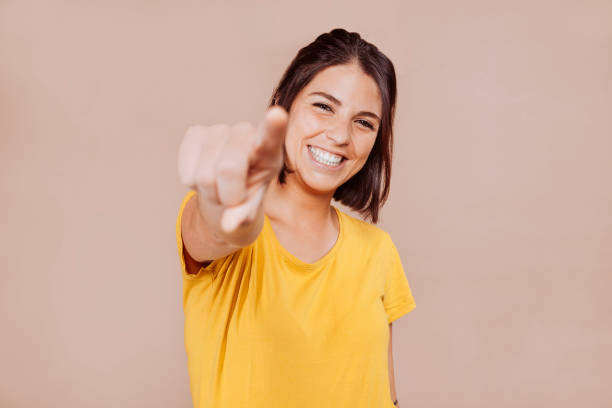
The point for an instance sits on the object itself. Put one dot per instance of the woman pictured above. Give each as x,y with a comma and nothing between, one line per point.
288,301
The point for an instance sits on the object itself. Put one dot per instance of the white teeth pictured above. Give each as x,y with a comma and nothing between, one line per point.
325,157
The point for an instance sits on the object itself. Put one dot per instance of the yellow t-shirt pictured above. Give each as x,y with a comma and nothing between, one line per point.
264,329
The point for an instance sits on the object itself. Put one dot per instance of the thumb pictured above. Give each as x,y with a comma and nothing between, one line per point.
234,216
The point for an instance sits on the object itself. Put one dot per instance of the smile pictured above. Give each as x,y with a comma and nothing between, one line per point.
325,158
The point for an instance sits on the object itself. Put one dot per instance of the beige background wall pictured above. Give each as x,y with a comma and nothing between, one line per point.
500,203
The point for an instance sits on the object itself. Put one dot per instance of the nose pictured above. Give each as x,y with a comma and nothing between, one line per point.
339,135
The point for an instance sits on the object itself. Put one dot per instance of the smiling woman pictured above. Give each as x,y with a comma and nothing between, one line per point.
371,79
329,141
289,301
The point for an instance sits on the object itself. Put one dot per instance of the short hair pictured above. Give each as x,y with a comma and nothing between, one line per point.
368,189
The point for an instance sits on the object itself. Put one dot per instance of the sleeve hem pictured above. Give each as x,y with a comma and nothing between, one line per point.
397,311
201,271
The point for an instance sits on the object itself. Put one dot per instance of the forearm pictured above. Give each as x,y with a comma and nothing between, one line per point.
205,240
391,369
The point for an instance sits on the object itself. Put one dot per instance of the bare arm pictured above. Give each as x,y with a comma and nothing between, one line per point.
202,244
391,371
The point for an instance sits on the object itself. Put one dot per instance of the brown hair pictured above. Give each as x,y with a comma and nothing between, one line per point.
368,189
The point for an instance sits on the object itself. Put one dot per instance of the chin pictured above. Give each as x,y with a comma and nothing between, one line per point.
321,182
321,186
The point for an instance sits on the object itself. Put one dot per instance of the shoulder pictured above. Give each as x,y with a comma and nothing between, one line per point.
363,230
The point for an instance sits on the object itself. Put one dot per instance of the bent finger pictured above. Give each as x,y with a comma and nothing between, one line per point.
231,171
234,216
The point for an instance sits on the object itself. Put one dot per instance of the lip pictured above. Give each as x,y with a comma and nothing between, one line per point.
329,151
325,166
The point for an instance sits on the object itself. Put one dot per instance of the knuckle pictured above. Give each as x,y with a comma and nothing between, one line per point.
230,165
218,134
205,179
195,132
195,128
220,128
190,138
244,127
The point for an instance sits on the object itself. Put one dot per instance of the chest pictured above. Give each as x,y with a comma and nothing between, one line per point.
306,244
307,311
263,298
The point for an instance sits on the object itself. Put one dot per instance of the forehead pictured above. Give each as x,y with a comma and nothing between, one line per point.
350,85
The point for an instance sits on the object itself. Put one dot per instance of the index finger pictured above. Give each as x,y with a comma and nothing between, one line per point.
271,132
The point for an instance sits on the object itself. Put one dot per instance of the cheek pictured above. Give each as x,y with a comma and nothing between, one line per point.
307,124
364,147
293,141
300,129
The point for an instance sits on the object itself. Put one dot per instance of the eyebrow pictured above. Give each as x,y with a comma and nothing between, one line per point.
337,102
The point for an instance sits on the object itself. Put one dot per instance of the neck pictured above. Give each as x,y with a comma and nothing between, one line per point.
292,203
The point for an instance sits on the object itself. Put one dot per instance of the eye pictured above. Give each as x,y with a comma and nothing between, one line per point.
366,123
323,106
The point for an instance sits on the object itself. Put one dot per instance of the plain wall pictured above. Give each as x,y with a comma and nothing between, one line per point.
500,203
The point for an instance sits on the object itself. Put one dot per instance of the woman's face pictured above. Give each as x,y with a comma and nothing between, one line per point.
333,123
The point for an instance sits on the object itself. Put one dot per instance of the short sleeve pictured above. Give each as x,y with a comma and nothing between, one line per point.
397,298
179,242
